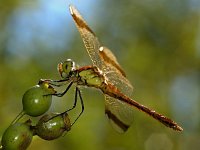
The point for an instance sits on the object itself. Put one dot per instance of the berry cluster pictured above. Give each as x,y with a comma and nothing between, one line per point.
36,101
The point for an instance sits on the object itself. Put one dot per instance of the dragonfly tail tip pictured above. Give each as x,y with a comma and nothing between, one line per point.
178,128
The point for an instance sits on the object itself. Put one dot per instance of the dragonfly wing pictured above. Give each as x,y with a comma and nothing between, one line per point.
117,78
105,60
100,56
88,36
109,58
119,113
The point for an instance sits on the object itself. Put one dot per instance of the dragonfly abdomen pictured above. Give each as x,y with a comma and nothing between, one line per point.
115,93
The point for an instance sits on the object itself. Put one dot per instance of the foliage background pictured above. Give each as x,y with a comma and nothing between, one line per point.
156,42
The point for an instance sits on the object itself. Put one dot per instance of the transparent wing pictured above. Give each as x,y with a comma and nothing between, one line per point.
90,40
109,59
119,113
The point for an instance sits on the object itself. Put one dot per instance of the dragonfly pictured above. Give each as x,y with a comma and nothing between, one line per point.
106,75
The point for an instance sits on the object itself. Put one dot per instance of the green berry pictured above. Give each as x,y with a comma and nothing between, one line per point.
17,136
51,127
37,100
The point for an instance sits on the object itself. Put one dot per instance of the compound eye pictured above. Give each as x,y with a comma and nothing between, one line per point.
66,68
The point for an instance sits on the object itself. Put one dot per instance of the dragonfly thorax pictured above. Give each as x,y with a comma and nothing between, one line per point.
66,68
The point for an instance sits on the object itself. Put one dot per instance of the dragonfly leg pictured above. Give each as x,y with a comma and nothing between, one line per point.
78,92
64,92
57,83
82,104
75,101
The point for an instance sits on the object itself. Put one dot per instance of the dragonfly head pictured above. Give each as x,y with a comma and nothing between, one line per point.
66,68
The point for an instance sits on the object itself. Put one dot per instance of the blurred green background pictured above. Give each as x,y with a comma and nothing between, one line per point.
156,42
